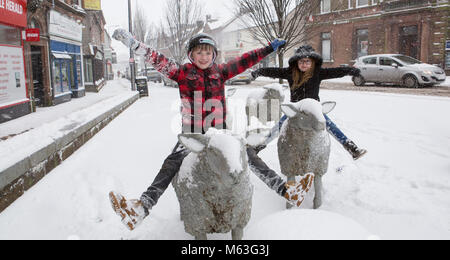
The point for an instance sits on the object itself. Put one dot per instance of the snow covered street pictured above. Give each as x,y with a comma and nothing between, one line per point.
399,190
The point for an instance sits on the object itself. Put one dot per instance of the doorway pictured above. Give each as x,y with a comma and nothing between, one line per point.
409,41
37,75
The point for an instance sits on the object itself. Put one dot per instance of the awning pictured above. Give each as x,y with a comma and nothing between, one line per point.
62,56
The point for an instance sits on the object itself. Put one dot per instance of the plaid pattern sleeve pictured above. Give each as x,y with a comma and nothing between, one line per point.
168,68
240,64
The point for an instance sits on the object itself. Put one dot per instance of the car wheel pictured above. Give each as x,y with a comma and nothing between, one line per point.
248,82
358,81
410,81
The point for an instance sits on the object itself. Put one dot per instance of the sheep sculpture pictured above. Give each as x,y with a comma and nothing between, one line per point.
213,185
304,143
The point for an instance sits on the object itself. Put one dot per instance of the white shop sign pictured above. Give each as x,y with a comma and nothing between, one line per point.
65,27
12,76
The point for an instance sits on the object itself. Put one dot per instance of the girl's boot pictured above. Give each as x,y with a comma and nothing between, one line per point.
355,152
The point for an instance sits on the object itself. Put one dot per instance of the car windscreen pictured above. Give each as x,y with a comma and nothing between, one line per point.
406,59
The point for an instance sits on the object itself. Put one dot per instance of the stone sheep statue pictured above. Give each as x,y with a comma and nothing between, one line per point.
263,111
260,102
213,184
304,143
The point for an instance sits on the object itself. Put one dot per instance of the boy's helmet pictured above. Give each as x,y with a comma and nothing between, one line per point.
199,39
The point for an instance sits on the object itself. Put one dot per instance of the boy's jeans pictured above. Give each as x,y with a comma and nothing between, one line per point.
331,128
172,165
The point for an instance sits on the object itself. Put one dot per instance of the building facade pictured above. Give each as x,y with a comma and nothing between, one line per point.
66,57
94,53
348,29
14,90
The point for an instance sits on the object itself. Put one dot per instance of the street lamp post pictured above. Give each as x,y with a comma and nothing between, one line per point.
132,61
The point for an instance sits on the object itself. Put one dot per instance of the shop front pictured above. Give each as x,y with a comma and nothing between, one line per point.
66,58
14,95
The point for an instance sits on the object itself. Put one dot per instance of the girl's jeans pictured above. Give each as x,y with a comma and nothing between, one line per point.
331,127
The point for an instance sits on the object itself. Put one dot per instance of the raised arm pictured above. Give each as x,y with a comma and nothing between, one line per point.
332,73
248,60
167,67
279,73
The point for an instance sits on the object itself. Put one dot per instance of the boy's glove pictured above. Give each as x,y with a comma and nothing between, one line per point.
277,43
355,72
126,38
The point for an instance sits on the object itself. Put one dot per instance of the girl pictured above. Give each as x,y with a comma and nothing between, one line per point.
304,75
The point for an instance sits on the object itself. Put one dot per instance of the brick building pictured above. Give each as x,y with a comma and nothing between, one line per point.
347,29
93,49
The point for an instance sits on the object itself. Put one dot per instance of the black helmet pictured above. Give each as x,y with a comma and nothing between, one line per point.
305,51
201,38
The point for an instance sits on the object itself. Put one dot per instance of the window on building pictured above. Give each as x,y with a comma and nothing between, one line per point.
360,3
10,36
88,73
325,6
409,41
326,46
362,42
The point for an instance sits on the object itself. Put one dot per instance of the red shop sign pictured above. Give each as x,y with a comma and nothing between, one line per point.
32,35
13,12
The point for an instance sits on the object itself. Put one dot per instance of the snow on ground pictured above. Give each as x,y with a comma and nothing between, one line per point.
45,115
400,190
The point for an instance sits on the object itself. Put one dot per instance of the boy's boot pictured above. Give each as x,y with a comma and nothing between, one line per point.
354,151
296,191
132,212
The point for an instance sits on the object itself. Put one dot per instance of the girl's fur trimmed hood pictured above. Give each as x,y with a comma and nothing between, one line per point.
306,51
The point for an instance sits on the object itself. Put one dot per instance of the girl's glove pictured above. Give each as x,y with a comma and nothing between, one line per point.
277,43
126,38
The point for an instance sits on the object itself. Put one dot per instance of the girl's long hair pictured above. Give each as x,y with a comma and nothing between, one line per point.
301,77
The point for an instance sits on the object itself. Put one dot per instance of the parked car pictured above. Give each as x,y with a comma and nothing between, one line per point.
152,74
169,82
397,69
245,76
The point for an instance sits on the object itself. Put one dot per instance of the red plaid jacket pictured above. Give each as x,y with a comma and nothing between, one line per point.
202,92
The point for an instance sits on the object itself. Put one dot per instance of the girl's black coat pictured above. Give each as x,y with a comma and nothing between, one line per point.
309,89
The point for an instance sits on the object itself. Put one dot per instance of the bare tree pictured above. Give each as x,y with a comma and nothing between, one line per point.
183,18
140,24
285,19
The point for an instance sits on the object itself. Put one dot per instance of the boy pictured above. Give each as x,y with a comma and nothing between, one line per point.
200,82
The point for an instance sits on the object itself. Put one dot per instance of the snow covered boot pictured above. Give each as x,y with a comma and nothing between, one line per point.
132,212
354,151
296,191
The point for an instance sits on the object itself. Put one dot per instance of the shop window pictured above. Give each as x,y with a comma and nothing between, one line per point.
10,36
362,41
57,77
326,46
61,75
88,73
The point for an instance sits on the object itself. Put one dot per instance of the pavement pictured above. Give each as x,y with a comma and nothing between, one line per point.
46,115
